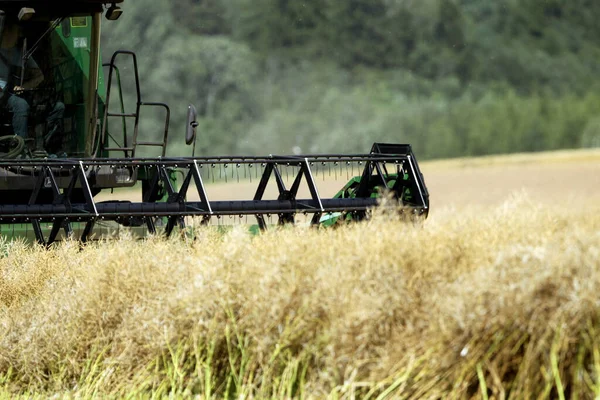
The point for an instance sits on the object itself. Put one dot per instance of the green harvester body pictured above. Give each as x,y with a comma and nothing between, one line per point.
51,176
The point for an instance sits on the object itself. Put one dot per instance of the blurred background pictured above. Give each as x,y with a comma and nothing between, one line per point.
452,77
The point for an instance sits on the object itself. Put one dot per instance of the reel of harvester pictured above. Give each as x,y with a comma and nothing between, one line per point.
59,193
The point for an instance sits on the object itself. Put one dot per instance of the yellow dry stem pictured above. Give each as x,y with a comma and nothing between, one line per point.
504,304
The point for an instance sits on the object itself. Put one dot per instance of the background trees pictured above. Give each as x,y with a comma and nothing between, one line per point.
452,77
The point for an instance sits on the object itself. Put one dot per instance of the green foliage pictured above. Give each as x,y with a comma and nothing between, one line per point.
217,77
475,123
453,77
269,25
206,17
360,33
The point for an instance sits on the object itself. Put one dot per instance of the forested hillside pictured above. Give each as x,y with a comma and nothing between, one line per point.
452,77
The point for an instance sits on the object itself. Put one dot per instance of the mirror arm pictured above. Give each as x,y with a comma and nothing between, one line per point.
194,125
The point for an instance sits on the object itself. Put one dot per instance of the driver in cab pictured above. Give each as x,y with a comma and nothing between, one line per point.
11,59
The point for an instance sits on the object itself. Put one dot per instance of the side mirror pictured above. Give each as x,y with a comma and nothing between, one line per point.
190,134
192,124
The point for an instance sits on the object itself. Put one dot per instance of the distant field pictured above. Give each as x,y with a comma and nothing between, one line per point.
563,177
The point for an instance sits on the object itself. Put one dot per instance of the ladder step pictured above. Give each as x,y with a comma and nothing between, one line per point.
128,115
160,144
118,148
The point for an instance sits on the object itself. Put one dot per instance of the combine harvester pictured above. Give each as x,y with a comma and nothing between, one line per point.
57,152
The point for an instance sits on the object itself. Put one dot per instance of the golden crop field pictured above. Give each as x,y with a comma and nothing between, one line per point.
496,295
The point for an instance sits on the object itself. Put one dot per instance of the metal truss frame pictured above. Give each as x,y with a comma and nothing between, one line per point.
63,210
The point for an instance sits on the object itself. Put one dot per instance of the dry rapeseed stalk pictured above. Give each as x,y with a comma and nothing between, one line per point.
503,302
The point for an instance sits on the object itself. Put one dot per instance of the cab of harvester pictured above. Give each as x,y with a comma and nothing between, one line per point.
57,152
51,78
52,82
